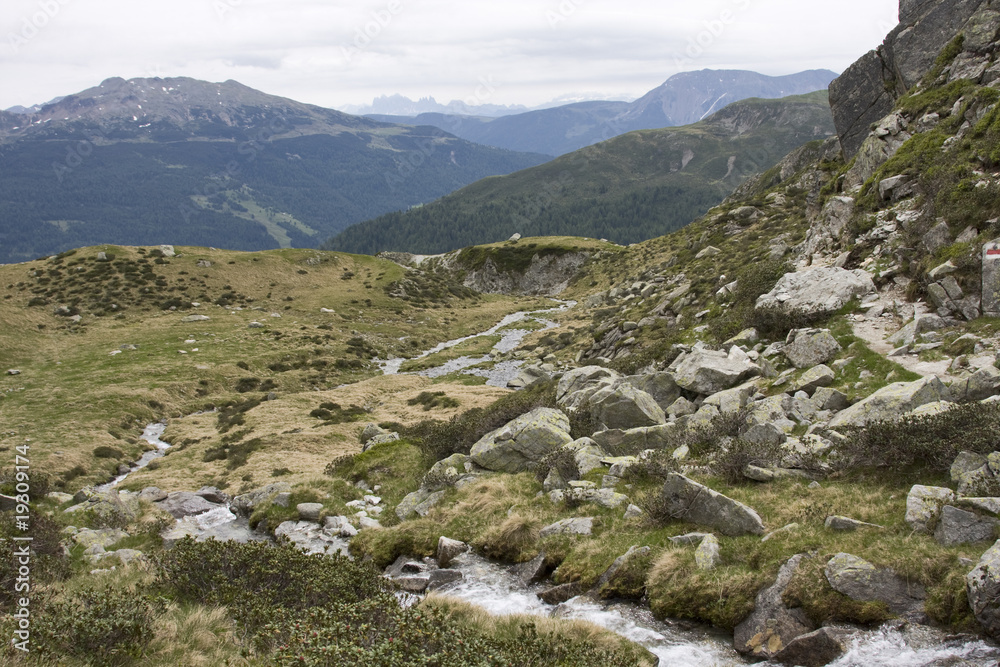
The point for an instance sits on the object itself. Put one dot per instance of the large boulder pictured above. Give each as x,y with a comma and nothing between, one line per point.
448,550
690,501
982,384
924,505
973,475
732,400
420,502
893,402
991,278
920,325
183,503
623,406
529,376
587,454
371,431
311,538
580,383
817,291
807,348
708,372
863,582
661,386
609,584
982,587
107,508
772,625
579,526
815,649
523,443
960,527
245,504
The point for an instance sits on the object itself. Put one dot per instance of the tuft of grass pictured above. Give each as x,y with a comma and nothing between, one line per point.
723,597
512,541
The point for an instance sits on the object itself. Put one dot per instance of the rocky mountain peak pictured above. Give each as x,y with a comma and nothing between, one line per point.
135,104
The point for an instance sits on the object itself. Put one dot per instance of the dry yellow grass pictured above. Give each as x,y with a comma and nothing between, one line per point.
295,441
73,395
193,637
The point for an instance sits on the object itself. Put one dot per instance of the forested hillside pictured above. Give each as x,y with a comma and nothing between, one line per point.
150,161
634,187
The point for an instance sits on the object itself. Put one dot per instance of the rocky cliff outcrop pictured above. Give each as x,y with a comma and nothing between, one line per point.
867,91
548,275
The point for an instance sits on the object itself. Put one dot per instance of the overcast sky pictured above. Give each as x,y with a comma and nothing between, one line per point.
334,53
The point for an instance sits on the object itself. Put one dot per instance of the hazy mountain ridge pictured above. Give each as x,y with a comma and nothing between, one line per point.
681,100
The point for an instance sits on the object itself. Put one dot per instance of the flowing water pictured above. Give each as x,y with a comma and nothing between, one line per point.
152,436
497,375
497,589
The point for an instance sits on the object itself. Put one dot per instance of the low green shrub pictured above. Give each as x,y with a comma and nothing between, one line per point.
49,563
103,626
930,442
732,459
255,579
333,413
233,414
236,454
431,400
756,279
39,482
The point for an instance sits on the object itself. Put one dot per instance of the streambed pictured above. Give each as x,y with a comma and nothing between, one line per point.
498,374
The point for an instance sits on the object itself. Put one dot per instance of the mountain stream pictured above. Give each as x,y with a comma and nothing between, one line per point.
495,587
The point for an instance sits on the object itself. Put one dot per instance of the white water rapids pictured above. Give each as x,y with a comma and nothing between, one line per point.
496,588
152,436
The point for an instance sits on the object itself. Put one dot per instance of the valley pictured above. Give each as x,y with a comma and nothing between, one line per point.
768,435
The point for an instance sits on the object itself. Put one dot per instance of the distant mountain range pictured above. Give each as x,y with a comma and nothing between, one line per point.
683,99
183,161
634,187
398,105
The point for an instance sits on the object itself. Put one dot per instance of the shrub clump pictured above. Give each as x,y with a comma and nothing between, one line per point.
931,441
105,452
732,459
297,609
431,400
102,626
333,413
